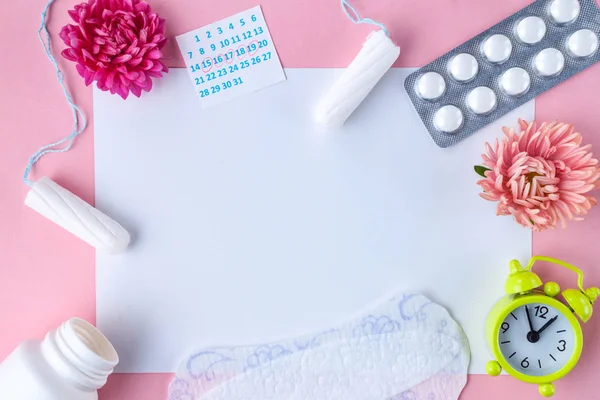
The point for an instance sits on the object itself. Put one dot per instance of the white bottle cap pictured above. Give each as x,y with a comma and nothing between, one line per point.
78,352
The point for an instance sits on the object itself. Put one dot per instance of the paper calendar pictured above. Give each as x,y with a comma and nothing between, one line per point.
231,57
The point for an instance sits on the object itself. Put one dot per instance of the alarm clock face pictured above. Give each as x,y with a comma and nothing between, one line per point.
537,339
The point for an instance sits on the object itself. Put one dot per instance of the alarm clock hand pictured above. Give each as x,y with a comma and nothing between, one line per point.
547,324
531,330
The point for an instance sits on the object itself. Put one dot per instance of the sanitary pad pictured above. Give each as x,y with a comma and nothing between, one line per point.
409,348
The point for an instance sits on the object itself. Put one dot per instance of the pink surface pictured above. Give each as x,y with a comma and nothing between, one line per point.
47,276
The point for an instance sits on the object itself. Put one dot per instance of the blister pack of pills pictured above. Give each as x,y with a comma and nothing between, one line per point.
504,67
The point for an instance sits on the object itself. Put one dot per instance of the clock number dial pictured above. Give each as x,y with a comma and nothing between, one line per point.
541,311
536,339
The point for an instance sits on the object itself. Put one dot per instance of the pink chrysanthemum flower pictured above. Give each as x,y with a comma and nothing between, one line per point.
541,176
116,43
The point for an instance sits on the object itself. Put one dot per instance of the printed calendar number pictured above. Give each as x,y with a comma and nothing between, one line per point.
248,49
252,47
218,59
223,86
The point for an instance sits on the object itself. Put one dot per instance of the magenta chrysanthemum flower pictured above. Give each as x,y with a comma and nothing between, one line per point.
116,43
541,176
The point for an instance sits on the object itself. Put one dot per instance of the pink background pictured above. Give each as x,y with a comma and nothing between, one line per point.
47,276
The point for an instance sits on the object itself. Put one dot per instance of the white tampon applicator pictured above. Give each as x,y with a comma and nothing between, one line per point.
57,203
78,217
376,57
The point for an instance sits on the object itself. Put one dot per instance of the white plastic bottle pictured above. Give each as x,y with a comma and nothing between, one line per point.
71,363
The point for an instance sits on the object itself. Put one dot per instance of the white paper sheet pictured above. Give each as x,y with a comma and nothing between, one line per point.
252,225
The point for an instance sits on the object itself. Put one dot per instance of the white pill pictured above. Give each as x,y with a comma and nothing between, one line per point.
448,119
482,100
549,62
564,11
463,67
582,43
515,81
531,30
497,48
431,86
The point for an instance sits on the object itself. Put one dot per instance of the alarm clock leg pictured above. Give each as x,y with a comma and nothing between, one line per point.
493,368
547,389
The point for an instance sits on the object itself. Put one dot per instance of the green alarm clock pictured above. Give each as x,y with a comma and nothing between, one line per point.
533,336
